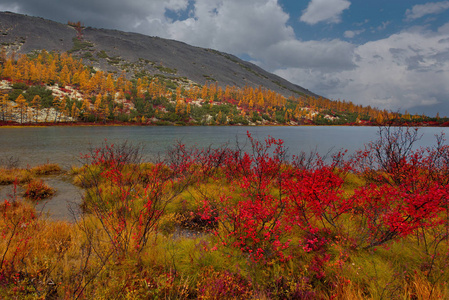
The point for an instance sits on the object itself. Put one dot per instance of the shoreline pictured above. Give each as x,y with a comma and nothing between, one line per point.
82,124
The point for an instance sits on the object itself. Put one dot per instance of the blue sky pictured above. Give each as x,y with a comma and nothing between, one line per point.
388,54
368,20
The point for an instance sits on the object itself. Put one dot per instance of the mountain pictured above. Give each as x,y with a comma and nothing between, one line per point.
115,76
117,51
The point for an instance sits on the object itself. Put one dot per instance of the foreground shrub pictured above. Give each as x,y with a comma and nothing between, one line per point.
127,209
37,189
17,227
239,224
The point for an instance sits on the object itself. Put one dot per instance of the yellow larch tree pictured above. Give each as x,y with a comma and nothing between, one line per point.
5,107
75,112
21,106
110,83
36,105
97,106
85,108
64,76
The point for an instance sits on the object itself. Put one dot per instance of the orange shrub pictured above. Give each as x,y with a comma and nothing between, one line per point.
38,189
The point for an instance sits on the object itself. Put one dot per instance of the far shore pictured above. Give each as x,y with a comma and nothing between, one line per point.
109,124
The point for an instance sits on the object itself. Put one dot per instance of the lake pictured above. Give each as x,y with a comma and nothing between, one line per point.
64,145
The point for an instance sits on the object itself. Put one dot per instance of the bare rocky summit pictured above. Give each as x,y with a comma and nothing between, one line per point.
117,51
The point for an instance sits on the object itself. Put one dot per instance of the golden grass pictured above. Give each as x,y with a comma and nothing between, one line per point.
9,176
351,182
46,169
421,289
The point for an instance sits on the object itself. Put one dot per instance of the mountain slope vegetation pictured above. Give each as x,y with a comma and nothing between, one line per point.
53,72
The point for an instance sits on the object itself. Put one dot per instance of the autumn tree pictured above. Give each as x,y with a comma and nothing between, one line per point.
105,112
64,77
5,107
116,112
179,109
98,107
36,104
8,69
110,83
74,112
21,105
60,107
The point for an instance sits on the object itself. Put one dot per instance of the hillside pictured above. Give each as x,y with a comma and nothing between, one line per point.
52,72
114,50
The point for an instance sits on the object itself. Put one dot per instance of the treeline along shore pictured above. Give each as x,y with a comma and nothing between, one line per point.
52,88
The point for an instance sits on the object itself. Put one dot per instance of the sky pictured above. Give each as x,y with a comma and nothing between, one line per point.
390,54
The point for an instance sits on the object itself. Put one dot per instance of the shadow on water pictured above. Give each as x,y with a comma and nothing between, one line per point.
62,206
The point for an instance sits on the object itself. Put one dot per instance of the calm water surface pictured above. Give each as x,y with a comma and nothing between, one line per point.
63,145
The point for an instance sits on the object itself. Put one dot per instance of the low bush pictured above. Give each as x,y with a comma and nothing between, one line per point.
37,189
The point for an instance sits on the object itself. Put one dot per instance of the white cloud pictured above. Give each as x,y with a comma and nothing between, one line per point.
234,25
326,55
383,26
419,11
176,5
10,7
125,15
405,70
444,29
352,33
324,10
362,23
238,27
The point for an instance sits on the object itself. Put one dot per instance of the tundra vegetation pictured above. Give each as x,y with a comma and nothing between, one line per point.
47,88
240,222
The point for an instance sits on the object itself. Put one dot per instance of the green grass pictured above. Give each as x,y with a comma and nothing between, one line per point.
166,70
80,45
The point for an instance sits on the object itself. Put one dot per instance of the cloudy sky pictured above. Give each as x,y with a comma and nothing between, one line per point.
391,54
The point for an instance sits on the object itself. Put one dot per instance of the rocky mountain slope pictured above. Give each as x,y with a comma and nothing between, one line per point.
118,51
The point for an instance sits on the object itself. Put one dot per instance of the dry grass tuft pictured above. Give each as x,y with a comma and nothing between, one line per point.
46,169
9,176
422,289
